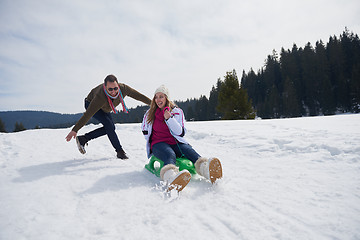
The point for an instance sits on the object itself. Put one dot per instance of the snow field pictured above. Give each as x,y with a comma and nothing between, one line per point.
283,179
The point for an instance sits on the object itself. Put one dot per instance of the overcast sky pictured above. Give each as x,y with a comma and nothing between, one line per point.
53,52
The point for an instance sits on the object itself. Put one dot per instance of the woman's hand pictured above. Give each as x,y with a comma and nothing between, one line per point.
167,113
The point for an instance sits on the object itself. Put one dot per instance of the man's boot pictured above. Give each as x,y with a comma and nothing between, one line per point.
81,141
121,154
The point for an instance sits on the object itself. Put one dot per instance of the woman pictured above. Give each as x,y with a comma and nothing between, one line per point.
164,130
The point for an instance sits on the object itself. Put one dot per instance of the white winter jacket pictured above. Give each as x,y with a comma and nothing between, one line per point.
176,124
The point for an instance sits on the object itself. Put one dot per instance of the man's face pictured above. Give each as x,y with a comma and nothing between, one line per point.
112,88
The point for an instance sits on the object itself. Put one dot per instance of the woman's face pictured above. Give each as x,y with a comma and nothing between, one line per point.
160,100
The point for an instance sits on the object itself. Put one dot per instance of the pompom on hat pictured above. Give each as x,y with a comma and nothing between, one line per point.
162,89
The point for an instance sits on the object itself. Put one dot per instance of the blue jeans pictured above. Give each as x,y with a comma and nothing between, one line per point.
168,153
108,128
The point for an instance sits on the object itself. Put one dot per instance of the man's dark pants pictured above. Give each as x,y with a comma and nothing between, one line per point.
108,128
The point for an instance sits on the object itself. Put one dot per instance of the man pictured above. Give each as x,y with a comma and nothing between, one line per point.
98,104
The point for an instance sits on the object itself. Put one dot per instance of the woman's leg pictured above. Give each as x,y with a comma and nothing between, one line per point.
164,152
186,150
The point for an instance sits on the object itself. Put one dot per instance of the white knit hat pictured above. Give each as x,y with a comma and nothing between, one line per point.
163,90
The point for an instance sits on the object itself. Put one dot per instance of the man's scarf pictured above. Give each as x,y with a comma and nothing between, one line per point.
109,97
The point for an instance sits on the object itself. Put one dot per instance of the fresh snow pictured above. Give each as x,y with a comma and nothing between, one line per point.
283,179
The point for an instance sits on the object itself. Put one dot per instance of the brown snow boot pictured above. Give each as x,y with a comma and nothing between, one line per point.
175,179
209,168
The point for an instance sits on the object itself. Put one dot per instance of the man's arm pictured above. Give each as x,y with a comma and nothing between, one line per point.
129,91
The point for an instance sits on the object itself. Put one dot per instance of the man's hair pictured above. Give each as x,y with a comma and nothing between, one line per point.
110,78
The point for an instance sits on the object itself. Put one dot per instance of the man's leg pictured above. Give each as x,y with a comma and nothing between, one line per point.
108,128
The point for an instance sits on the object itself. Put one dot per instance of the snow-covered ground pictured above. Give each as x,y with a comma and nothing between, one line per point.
283,179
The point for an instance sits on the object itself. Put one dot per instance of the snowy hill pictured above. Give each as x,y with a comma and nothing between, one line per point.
283,179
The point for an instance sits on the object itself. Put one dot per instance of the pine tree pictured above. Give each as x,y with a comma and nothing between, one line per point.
322,74
19,127
337,78
228,95
245,109
291,75
190,114
233,102
213,102
355,88
291,107
351,48
201,109
2,126
311,83
273,84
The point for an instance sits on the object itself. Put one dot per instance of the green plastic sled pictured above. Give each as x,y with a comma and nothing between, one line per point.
156,164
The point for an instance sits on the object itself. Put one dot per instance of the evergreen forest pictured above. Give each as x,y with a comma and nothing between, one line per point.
305,81
302,81
315,80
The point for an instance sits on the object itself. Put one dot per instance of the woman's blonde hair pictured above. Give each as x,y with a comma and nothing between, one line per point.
153,107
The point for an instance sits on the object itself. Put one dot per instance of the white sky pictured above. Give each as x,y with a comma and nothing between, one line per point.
53,52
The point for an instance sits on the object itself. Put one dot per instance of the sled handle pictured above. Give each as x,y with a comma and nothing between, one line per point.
182,163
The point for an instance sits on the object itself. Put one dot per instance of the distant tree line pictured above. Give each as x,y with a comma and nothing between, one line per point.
309,81
227,100
17,128
14,121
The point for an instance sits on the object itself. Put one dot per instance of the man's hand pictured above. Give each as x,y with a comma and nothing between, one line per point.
71,135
